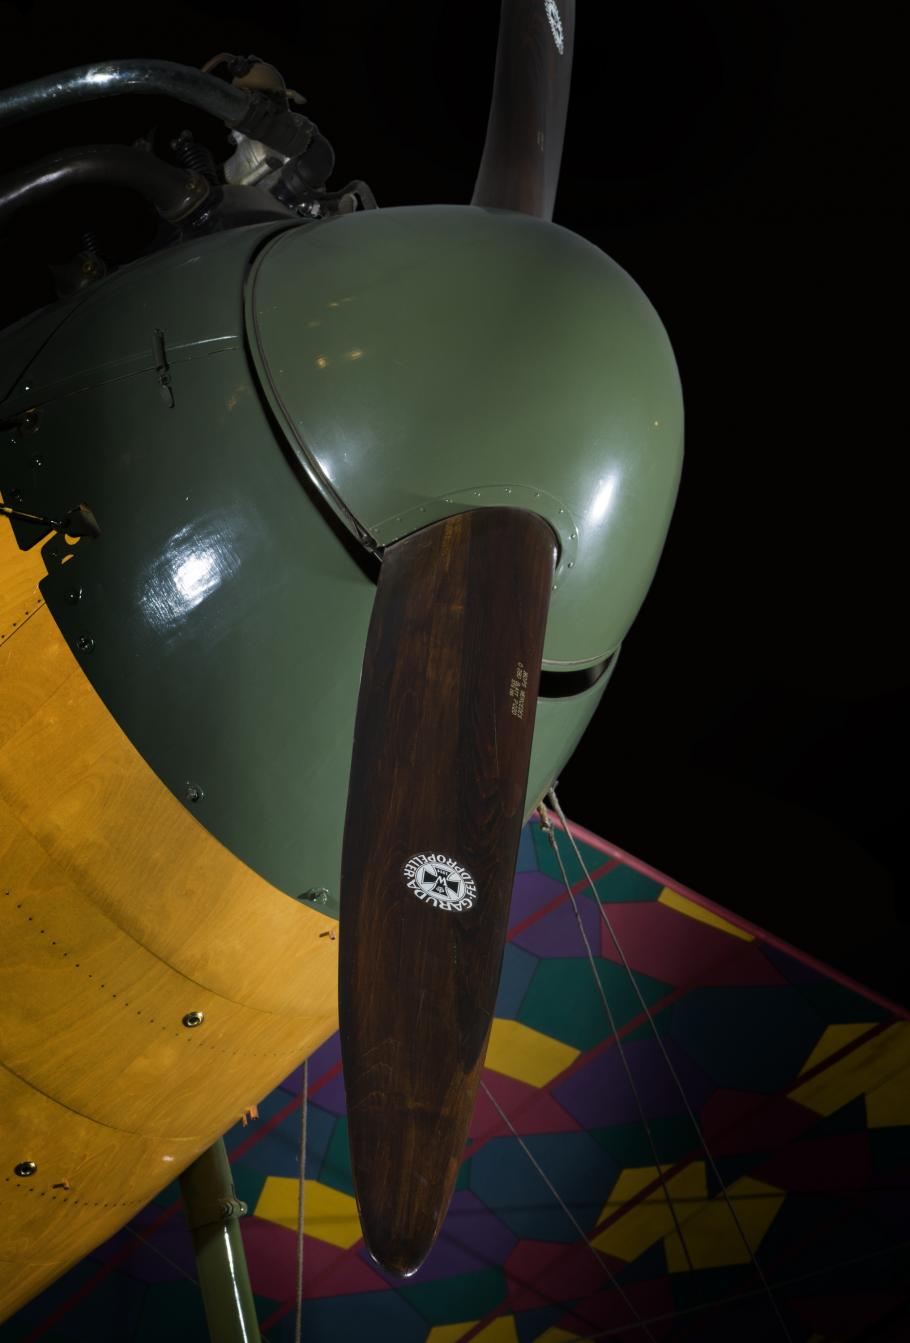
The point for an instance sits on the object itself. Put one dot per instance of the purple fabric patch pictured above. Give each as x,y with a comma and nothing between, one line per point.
472,1238
599,1094
556,934
531,892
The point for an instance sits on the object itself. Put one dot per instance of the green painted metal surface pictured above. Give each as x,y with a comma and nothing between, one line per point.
222,615
226,621
423,360
212,1213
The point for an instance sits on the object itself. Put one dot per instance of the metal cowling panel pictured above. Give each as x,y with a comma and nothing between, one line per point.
423,360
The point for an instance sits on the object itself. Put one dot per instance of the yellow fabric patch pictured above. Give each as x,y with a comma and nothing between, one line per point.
869,1066
833,1039
449,1333
711,1235
500,1330
649,1221
889,1104
526,1054
329,1214
683,905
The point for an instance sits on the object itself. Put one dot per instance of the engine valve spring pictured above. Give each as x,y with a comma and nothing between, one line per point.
196,158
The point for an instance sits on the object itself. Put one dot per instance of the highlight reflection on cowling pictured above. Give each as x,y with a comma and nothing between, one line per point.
192,566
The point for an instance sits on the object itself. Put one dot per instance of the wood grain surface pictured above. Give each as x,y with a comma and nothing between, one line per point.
438,777
519,169
119,914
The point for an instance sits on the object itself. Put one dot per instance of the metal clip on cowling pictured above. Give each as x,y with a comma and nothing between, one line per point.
78,521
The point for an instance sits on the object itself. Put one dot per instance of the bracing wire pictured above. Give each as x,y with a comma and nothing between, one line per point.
551,836
601,1262
301,1173
554,800
150,1245
160,1253
736,1298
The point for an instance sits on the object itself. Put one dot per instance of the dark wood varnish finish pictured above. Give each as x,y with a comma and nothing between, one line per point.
519,169
440,765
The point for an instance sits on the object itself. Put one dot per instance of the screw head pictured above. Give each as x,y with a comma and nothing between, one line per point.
193,792
85,643
317,896
73,595
25,1169
192,1019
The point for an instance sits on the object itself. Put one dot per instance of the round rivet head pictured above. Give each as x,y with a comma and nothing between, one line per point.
194,1019
193,792
74,595
85,643
25,1169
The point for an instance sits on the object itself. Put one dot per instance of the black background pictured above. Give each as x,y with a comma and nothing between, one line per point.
744,163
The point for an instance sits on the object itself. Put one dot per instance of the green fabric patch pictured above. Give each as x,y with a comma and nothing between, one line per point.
563,1001
335,1170
836,1003
546,859
673,1137
618,885
172,1310
623,884
889,1148
248,1183
663,1020
467,1297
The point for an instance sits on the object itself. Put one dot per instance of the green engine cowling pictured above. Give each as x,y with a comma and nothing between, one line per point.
423,361
252,415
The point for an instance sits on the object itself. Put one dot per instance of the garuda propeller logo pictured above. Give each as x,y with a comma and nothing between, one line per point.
440,881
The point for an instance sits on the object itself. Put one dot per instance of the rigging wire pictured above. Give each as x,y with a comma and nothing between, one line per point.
601,1262
301,1172
554,800
551,836
161,1255
736,1297
150,1245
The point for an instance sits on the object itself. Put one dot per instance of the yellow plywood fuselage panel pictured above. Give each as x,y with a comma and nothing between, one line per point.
120,914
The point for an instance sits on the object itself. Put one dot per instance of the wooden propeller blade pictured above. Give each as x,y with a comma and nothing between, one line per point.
519,169
435,807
